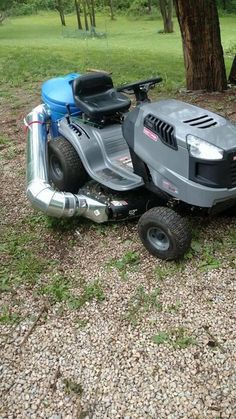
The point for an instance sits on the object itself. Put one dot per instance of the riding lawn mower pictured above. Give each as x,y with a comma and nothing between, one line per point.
90,154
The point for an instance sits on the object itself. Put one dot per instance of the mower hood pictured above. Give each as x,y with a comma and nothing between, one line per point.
190,119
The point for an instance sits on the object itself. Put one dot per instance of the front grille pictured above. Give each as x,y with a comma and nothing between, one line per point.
233,170
214,174
203,122
164,131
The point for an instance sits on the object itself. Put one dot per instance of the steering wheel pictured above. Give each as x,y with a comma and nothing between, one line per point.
139,85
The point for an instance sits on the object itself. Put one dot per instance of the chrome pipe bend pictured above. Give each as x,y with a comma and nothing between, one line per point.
39,192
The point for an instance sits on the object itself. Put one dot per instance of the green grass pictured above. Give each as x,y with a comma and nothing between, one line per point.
174,308
23,262
81,323
178,338
127,263
59,290
168,269
72,387
90,292
20,259
142,302
7,316
3,140
33,48
209,261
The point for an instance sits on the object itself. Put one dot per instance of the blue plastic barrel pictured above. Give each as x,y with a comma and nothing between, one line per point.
57,93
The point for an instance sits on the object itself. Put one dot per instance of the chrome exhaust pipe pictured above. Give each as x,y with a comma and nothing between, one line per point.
39,192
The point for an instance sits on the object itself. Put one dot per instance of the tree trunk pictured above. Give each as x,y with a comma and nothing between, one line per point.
89,12
93,13
77,8
203,52
232,75
2,17
59,7
85,16
111,9
150,6
166,7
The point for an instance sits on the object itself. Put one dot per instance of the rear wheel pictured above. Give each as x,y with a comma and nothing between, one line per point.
66,171
164,233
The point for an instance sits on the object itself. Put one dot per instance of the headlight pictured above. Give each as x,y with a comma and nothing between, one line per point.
203,150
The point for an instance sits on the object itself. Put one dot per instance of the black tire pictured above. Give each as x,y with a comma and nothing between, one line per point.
66,171
164,233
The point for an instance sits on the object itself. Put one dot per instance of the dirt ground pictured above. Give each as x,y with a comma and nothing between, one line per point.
91,324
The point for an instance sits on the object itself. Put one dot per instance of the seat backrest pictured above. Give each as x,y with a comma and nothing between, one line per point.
91,84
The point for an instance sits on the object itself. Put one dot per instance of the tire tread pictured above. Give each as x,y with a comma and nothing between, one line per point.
179,228
75,175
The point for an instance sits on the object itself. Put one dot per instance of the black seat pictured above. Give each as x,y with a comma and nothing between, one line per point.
95,95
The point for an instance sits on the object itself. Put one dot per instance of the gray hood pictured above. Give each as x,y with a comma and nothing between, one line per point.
190,119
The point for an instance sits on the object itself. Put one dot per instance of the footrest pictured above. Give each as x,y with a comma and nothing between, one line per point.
114,180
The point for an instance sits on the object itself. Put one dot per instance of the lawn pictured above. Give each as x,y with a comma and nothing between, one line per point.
35,48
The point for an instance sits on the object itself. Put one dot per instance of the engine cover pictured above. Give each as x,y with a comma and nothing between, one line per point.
157,136
184,118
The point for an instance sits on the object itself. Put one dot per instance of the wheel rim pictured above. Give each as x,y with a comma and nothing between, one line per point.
158,238
56,168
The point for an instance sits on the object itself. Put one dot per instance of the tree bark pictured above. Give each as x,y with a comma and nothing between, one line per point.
232,74
166,7
77,8
93,13
85,16
203,52
89,12
111,9
2,17
59,7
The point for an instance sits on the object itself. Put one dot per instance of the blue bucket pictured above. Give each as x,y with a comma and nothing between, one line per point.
57,94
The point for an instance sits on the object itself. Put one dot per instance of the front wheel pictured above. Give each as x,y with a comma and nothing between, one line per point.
164,233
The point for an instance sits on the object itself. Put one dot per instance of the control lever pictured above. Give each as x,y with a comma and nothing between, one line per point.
68,116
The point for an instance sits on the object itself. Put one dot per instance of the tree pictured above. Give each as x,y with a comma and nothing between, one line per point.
85,15
111,9
77,8
203,52
232,74
2,17
88,9
93,13
89,12
166,8
60,9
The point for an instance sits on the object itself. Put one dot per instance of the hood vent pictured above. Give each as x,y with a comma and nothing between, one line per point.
203,122
75,128
164,130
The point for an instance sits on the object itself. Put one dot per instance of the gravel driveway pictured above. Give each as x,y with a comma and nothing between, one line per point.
92,326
